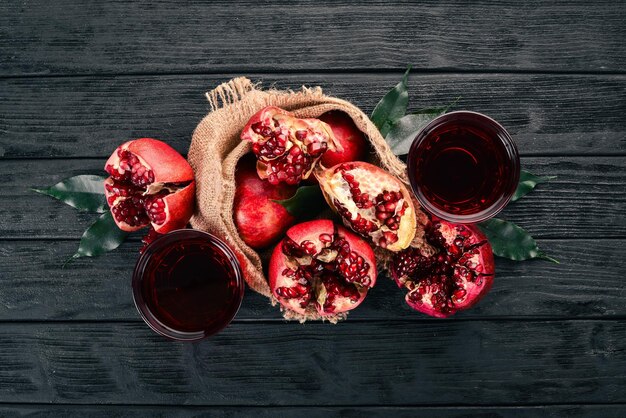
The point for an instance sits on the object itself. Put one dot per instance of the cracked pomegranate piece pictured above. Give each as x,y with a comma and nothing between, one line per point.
287,148
454,276
321,267
371,202
150,184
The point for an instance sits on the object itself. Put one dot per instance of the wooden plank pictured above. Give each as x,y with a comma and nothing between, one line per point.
588,284
161,36
114,411
587,199
504,362
88,117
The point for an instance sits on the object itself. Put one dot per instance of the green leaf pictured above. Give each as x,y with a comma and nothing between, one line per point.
404,131
84,192
102,236
527,182
510,241
392,106
308,200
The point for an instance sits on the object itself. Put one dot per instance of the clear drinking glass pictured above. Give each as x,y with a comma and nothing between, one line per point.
187,285
463,167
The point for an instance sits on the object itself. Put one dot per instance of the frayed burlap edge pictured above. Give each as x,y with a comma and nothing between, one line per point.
216,149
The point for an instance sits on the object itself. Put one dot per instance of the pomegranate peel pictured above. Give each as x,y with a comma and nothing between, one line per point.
171,167
452,274
149,183
352,145
371,202
321,267
287,148
259,219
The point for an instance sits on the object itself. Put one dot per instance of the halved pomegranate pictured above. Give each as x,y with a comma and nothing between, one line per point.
150,183
286,147
321,267
452,275
371,202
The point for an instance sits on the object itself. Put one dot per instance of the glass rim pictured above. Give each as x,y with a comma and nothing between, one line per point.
511,150
142,307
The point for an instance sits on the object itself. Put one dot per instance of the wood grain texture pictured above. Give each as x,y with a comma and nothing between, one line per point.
114,411
88,117
440,363
42,37
588,284
587,200
79,77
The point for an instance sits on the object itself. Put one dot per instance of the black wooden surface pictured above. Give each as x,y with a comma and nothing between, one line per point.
77,78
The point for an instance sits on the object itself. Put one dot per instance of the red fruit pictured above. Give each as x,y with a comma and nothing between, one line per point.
150,183
148,239
259,220
287,148
353,145
453,277
371,202
321,267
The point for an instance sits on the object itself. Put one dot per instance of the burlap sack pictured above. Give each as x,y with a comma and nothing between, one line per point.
216,148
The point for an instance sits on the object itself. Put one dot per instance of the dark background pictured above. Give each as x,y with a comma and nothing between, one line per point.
78,78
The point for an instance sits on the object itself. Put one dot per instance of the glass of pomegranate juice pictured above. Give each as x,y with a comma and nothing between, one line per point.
187,285
463,167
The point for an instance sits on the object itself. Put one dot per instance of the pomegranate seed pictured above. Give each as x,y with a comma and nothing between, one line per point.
390,237
459,294
308,247
381,216
390,206
292,292
325,238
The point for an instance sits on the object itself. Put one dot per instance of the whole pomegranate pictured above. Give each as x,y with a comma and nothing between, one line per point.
371,202
150,184
352,143
259,220
453,274
287,148
320,266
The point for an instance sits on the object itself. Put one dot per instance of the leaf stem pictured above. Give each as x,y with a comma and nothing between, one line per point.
546,257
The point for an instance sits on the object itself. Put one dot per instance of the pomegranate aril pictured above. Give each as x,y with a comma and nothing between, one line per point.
390,237
326,238
155,208
459,294
148,239
292,249
131,212
308,247
292,292
256,127
335,288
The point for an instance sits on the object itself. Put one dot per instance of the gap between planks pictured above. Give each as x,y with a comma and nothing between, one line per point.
234,72
526,319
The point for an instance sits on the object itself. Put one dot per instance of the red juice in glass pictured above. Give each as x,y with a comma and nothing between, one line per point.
187,285
463,167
